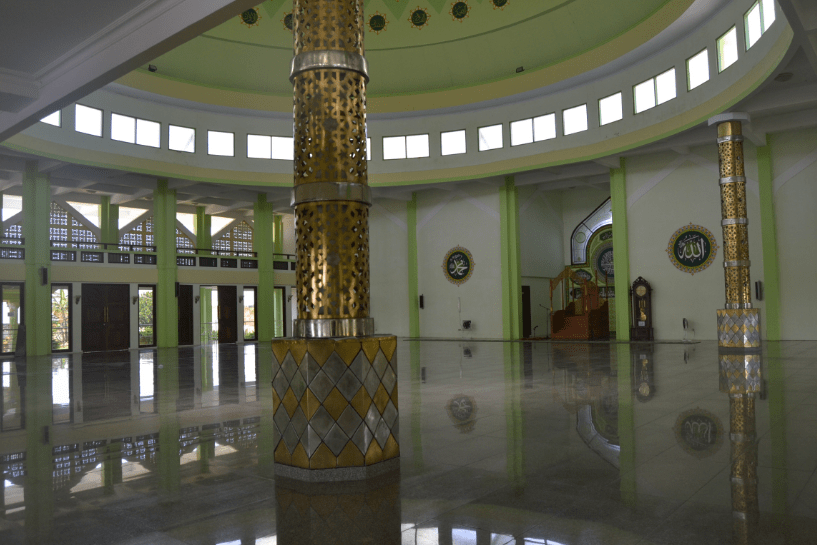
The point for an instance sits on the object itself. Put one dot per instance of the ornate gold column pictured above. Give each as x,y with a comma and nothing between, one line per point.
738,322
740,377
335,383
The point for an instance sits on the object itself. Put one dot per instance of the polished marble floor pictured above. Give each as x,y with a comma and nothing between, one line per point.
518,443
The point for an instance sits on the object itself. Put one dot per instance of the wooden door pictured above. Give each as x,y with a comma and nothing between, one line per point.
105,317
227,314
526,314
185,301
93,317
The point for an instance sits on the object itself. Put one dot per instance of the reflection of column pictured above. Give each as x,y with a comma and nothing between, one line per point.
416,405
778,434
168,394
309,513
112,466
740,377
335,385
738,322
38,488
513,413
626,424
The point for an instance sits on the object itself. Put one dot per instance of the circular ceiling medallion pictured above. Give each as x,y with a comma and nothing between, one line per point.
419,18
250,18
378,23
459,10
699,432
692,248
458,265
603,261
287,21
499,4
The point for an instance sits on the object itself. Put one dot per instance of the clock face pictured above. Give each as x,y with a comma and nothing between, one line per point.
641,291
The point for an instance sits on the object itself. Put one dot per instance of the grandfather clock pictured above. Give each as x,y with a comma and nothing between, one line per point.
641,295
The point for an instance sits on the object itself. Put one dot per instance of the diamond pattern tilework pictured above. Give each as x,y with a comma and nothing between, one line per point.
380,363
334,368
321,385
739,328
349,385
349,421
319,422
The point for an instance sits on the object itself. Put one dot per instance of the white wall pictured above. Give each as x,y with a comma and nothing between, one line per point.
468,218
794,164
577,204
388,266
665,192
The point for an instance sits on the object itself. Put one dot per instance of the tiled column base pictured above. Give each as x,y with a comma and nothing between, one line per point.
335,408
739,328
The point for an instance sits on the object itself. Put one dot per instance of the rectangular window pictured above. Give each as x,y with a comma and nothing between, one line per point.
490,137
148,133
123,128
405,147
544,127
728,49
452,143
60,317
697,70
644,95
220,143
521,132
259,146
575,119
767,13
147,313
394,147
181,139
282,147
753,25
368,149
610,109
54,119
88,120
250,329
665,86
417,146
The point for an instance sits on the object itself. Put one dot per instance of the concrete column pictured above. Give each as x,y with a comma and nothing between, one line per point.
108,221
413,273
263,243
164,233
621,250
203,229
37,309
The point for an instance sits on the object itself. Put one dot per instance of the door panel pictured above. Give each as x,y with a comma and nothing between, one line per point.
185,314
227,314
105,317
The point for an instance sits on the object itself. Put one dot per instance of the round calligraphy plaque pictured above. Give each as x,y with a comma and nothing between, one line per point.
699,432
458,265
603,261
692,248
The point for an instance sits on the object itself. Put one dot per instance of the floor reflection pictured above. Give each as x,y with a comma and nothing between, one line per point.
522,443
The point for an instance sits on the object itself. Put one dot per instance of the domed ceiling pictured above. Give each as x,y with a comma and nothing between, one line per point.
420,48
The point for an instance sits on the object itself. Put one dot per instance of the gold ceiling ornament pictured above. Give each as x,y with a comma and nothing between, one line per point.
250,17
419,18
460,10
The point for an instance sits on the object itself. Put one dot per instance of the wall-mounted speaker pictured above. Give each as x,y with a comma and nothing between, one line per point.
421,302
43,276
759,290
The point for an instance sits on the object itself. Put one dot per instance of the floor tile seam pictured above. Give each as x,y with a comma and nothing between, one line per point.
215,514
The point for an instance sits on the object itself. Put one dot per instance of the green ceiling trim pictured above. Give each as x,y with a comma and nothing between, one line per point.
272,7
438,5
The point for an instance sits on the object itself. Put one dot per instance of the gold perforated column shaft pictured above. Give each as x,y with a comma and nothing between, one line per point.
745,509
733,213
332,234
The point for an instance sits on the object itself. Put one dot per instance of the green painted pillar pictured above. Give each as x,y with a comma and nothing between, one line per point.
626,420
206,315
621,250
278,233
38,486
108,221
203,229
169,462
416,405
768,236
511,260
268,307
413,276
36,214
164,235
